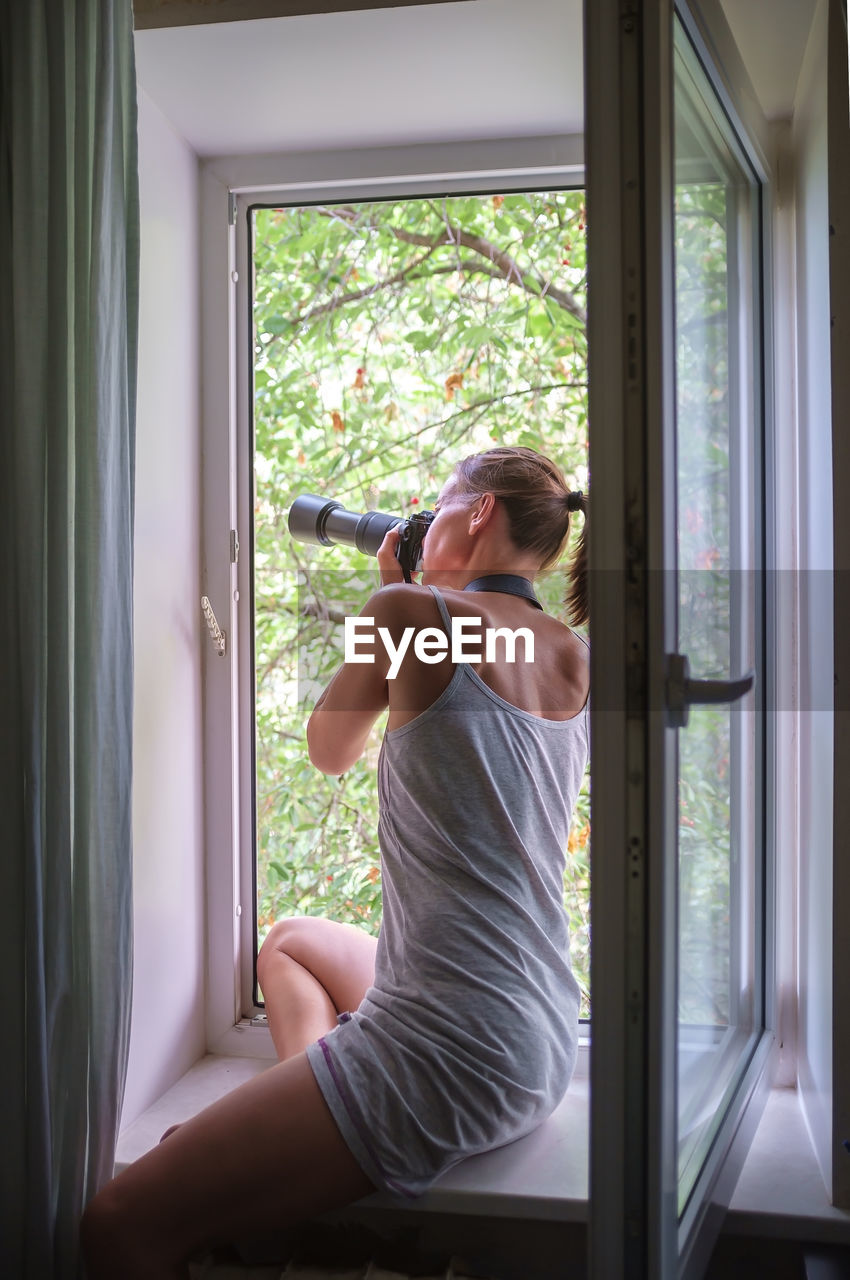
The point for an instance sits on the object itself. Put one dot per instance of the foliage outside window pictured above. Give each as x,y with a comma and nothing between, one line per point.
391,339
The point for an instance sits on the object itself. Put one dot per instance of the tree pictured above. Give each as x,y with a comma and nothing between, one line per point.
391,339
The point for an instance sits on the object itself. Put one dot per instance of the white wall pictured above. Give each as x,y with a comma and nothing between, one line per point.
167,1033
815,559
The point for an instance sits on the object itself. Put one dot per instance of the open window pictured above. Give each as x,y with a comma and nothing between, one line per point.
680,940
720,465
719,952
390,339
363,363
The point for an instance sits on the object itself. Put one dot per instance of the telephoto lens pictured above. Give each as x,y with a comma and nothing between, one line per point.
324,521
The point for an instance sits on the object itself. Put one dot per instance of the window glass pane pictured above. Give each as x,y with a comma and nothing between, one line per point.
390,339
718,460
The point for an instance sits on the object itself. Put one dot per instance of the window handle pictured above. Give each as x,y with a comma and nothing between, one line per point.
682,691
218,637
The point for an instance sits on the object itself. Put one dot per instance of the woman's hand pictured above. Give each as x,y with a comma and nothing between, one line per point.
391,570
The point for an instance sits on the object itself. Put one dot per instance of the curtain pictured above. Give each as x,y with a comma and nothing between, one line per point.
68,319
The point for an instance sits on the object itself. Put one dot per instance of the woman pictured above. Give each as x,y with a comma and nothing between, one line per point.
457,1031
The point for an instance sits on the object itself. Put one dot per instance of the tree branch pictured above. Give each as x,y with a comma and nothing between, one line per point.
319,609
467,265
506,267
474,407
340,299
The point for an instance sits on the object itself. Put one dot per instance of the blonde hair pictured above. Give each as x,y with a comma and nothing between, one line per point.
538,505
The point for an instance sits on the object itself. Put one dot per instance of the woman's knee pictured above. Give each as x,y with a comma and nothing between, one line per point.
302,938
276,942
340,957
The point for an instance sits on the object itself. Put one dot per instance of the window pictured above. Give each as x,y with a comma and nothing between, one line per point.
719,469
552,167
802,462
727,945
681,1025
390,339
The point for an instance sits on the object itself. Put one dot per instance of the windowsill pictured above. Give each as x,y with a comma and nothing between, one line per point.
543,1177
780,1191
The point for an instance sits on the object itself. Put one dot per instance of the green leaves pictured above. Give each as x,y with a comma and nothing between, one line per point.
419,339
390,339
277,324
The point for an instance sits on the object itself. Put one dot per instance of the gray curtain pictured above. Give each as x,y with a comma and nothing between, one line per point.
68,306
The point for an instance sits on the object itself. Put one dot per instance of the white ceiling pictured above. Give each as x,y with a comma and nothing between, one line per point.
771,36
429,73
426,73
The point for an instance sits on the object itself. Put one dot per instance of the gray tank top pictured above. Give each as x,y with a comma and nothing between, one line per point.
468,1037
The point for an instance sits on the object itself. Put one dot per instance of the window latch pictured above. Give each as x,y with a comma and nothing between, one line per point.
218,637
682,691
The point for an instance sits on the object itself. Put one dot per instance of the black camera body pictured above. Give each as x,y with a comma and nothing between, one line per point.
324,521
411,535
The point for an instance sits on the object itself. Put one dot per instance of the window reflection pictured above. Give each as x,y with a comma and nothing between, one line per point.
715,216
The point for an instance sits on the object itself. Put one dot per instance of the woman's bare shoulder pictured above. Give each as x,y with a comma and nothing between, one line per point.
402,604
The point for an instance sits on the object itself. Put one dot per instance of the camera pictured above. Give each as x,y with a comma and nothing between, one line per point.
324,521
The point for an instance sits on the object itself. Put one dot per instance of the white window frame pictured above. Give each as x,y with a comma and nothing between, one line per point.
789,150
228,1030
229,188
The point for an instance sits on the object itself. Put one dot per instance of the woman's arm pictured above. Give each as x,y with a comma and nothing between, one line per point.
343,717
345,713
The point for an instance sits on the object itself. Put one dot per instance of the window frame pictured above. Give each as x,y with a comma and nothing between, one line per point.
747,1094
756,304
230,190
788,147
633,1184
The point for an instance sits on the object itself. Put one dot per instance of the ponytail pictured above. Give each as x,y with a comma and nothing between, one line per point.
576,600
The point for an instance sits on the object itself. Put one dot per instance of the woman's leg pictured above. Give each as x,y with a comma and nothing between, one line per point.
310,970
267,1155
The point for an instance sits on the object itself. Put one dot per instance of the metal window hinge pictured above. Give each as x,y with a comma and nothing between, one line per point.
218,637
231,208
234,547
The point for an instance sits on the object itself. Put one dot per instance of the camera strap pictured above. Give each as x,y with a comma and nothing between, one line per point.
510,584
